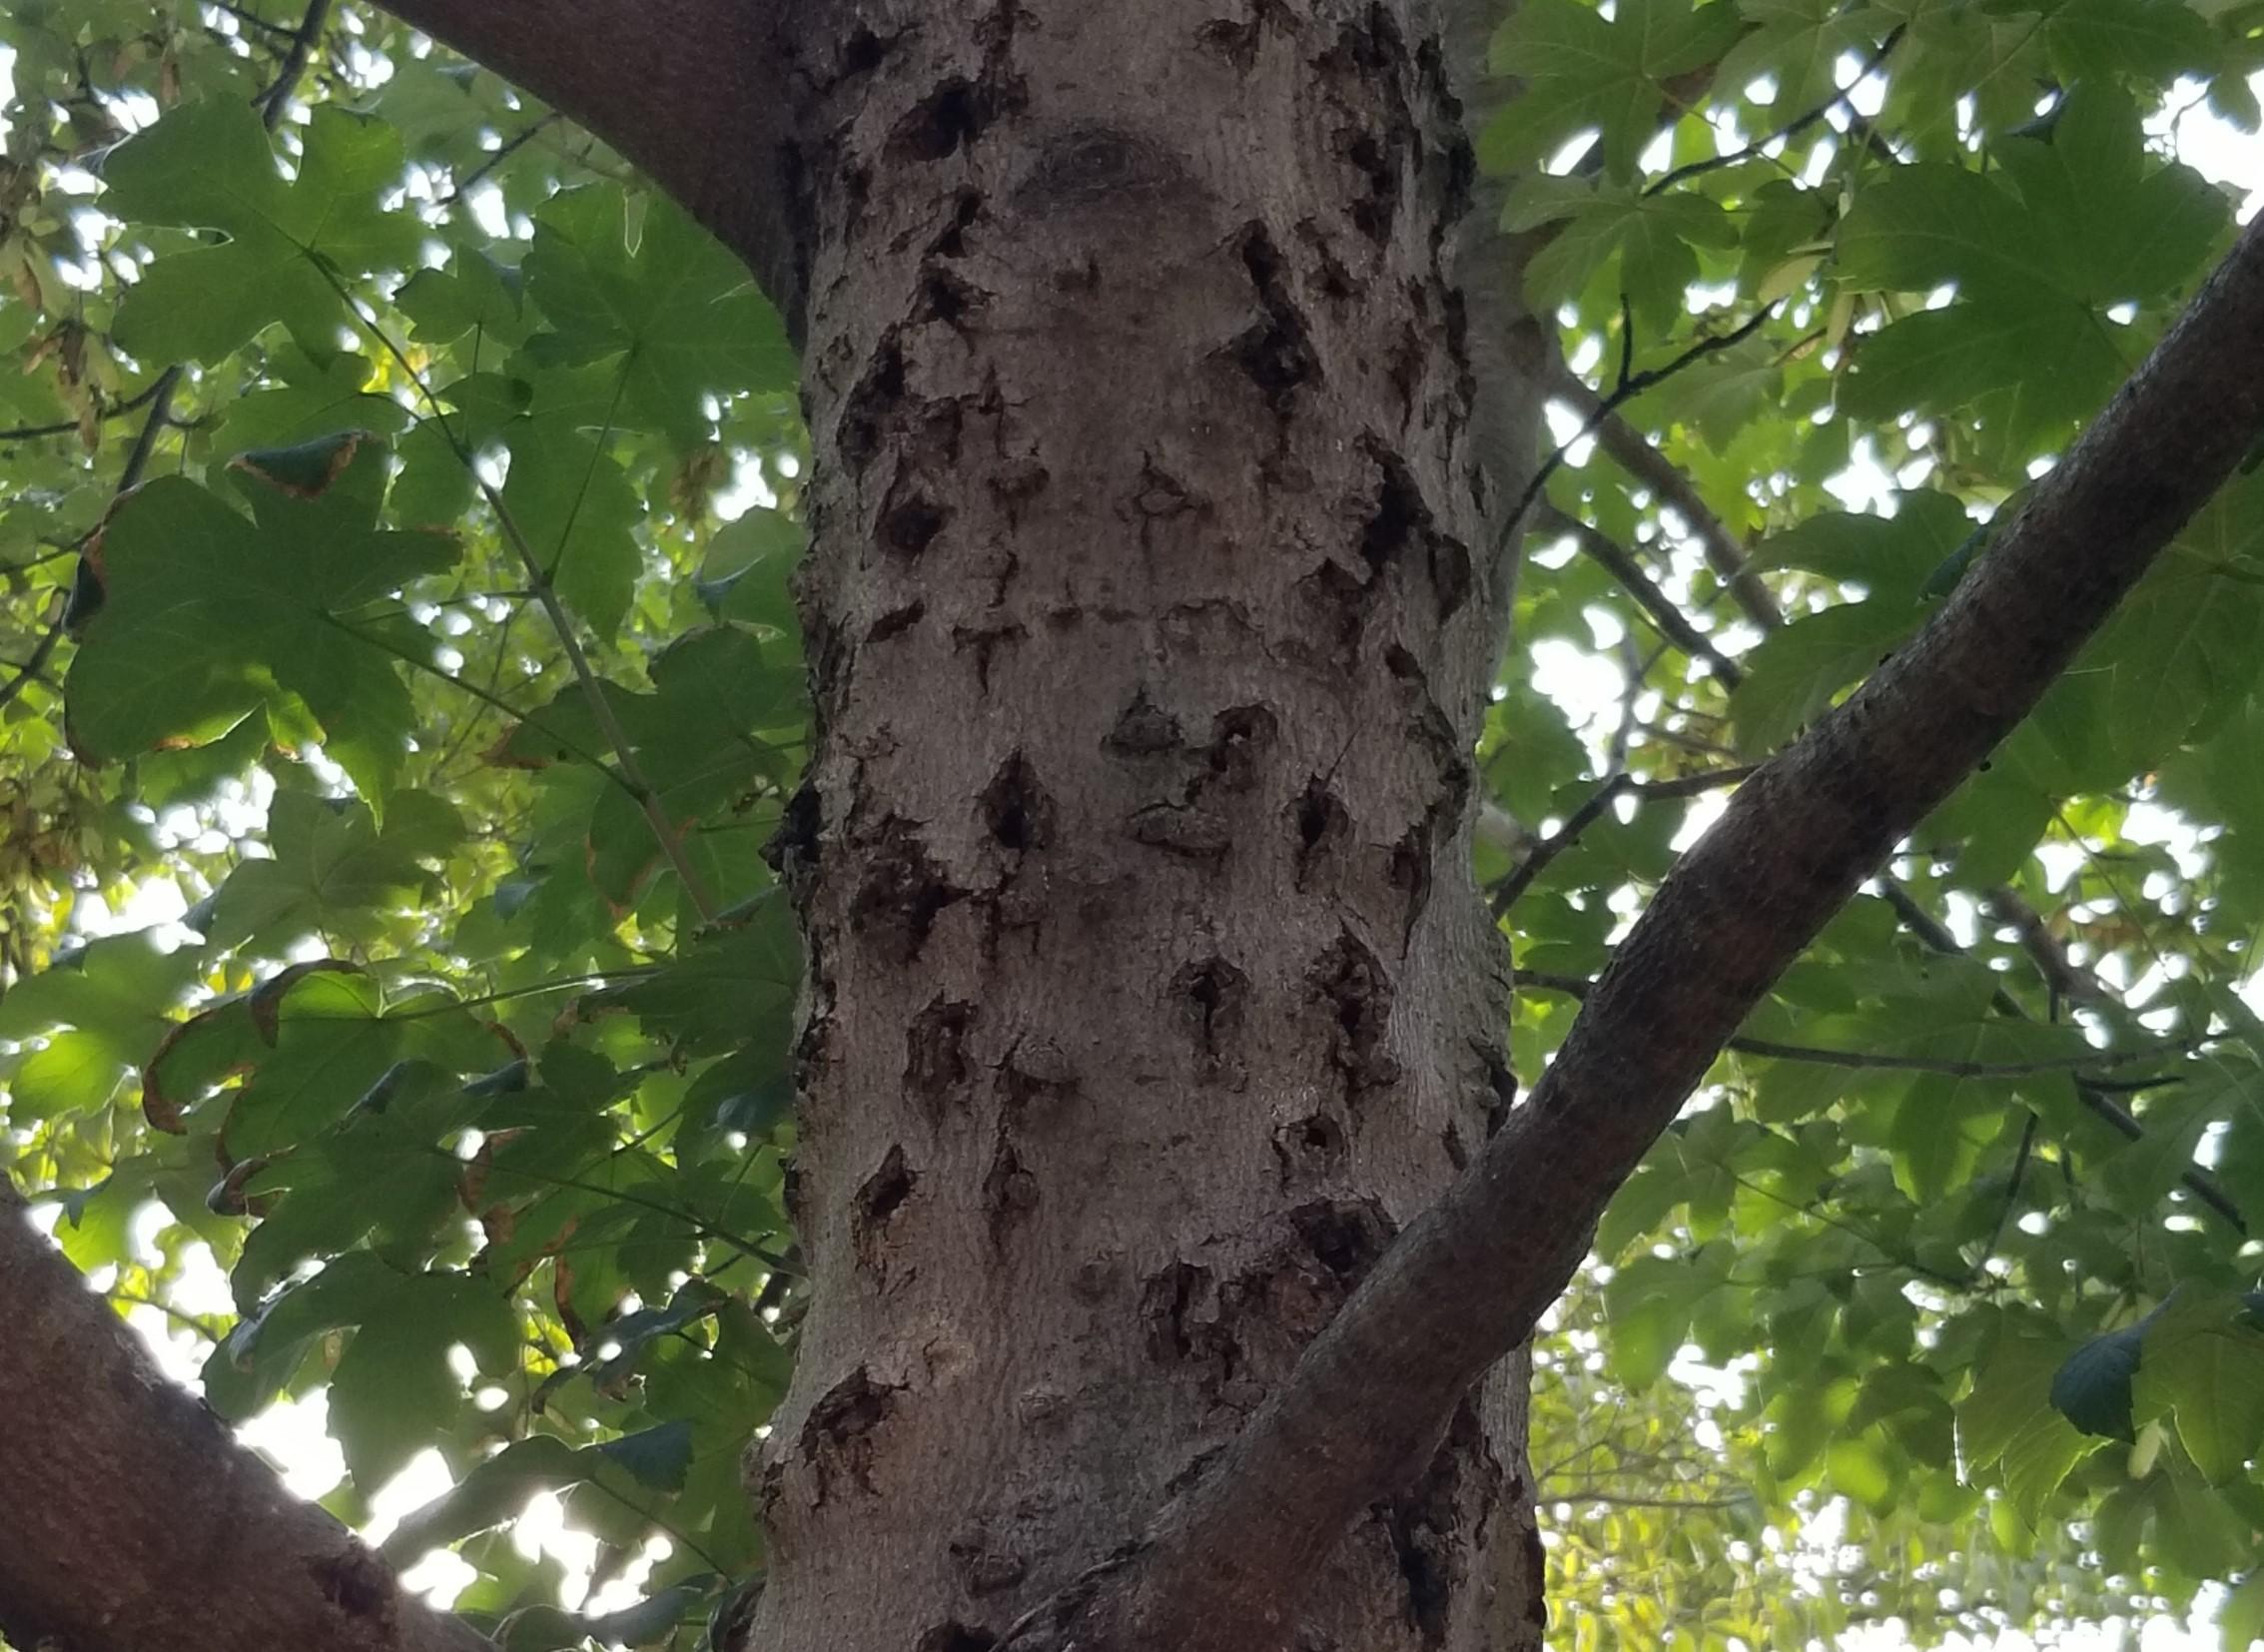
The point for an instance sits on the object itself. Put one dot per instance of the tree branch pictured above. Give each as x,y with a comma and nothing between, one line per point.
1466,1282
1934,933
1635,455
1503,895
1572,986
698,94
1615,560
2061,972
276,98
131,1520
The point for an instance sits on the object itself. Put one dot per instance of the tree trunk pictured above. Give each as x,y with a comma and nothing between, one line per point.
1152,626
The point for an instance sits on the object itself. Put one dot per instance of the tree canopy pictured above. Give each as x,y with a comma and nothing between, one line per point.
400,684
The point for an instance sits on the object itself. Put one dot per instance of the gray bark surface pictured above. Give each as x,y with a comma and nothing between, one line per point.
129,1519
1149,993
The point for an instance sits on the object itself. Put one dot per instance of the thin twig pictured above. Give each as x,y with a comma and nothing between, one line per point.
2061,972
1627,391
1930,930
276,98
159,400
510,147
1573,986
2011,1192
1639,456
69,426
1616,560
1503,895
282,31
1791,129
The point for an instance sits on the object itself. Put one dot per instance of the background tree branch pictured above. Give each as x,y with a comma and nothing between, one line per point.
129,1519
1469,1278
698,94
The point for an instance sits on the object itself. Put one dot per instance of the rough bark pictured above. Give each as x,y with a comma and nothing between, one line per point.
131,1521
1149,992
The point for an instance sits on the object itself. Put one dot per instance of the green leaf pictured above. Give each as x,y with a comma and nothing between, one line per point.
678,308
332,873
2204,1363
1582,70
210,616
572,505
208,165
656,1457
1651,238
2008,1422
2092,1389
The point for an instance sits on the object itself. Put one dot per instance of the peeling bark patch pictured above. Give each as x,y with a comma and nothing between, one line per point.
1094,164
357,1582
983,641
896,621
935,1048
862,53
1370,67
1185,829
792,851
1501,1090
1016,484
1009,1192
1450,574
984,1567
1235,42
1321,821
1400,514
867,408
1353,984
1344,1236
956,1637
1411,872
1168,1298
1034,1068
1462,1482
1160,495
902,892
947,296
1214,998
1275,352
1310,1149
909,525
1239,735
837,1439
952,115
1142,730
951,241
879,1197
1016,809
1379,166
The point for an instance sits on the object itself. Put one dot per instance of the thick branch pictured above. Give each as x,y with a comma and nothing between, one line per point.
1468,1280
696,93
131,1521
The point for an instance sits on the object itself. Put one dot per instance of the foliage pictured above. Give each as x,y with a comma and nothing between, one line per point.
443,664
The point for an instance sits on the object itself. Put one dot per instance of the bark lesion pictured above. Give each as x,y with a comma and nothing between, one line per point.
1214,998
1352,982
900,893
838,1440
